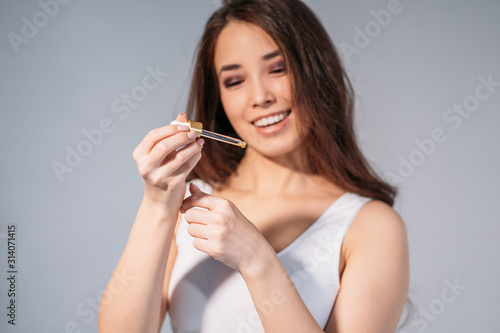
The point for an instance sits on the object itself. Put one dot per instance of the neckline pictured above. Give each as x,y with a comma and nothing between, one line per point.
308,229
327,211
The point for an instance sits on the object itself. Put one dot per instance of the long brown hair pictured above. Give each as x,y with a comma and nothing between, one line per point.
321,91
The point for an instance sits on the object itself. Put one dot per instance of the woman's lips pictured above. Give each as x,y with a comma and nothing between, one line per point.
271,119
274,128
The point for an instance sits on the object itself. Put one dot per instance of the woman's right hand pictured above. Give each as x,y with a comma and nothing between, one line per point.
163,168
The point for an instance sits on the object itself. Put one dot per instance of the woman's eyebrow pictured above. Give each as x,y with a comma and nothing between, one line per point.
228,68
271,55
236,66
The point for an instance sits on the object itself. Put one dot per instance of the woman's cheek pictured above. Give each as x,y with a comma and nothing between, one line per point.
234,102
234,106
284,87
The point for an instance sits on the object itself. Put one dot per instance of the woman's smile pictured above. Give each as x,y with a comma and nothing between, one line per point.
272,123
255,89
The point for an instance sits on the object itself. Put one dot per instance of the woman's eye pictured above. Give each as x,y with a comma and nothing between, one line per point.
279,69
231,83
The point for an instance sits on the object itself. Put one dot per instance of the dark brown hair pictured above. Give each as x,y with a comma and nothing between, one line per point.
321,91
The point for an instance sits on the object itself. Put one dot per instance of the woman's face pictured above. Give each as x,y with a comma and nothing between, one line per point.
255,89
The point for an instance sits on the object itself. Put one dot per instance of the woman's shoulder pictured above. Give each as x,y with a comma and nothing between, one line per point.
378,209
376,224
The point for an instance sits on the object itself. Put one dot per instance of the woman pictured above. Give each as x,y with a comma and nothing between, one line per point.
296,232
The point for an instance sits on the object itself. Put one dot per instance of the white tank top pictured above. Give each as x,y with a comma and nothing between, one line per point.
206,296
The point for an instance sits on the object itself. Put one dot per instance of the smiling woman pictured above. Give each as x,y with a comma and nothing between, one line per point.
296,232
255,89
303,64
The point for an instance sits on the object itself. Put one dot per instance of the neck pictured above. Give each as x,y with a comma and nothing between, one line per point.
284,175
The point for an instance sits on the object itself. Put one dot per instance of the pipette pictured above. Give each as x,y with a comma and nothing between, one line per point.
197,127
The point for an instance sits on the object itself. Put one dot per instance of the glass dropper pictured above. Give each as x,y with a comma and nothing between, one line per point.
197,127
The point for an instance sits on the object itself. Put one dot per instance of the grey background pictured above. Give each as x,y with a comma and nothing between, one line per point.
70,234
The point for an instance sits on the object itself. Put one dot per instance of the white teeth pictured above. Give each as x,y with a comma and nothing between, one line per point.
271,120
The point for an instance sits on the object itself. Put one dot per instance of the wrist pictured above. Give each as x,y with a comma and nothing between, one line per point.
259,266
159,211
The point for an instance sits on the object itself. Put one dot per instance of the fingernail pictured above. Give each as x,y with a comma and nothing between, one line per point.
192,135
183,128
201,142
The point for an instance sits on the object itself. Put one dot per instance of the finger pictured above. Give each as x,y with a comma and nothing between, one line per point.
197,215
202,244
182,162
170,164
158,134
198,230
181,117
199,199
164,175
193,188
178,165
184,170
180,120
163,149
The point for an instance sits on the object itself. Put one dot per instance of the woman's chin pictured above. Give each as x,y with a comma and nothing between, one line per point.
273,150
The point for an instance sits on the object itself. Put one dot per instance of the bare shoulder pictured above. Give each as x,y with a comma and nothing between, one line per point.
375,246
377,224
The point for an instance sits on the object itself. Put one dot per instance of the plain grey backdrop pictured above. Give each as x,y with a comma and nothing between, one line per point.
427,79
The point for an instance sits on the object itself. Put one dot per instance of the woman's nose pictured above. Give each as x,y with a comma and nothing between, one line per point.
262,94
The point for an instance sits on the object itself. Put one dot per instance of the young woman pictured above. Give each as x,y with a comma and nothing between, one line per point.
293,234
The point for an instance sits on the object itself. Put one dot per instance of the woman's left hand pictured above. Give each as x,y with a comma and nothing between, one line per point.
223,232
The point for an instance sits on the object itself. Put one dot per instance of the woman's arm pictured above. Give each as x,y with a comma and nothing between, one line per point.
277,301
172,257
373,287
374,284
134,300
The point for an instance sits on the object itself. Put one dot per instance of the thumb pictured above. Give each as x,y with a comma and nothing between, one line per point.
192,200
182,118
194,189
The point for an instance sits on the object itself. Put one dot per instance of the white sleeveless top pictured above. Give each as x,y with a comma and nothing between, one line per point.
206,296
